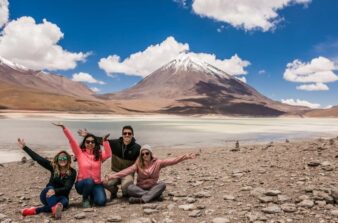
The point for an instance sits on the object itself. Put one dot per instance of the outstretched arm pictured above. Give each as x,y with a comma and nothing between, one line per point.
173,161
122,173
72,141
107,150
36,157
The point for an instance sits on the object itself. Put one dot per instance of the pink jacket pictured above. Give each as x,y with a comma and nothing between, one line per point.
147,178
88,166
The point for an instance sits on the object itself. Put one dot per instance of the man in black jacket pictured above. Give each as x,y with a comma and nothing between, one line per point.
125,151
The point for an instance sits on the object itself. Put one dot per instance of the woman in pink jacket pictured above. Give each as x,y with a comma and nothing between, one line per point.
148,169
89,158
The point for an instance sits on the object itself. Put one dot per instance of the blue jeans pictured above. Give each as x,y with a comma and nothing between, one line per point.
49,202
91,191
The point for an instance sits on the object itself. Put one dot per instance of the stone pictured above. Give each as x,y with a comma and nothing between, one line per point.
289,207
228,197
272,192
273,209
306,204
283,198
149,211
80,215
220,220
2,216
313,163
141,220
334,212
195,213
114,218
187,207
191,200
265,199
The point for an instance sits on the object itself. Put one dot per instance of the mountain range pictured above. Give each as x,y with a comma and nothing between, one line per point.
185,85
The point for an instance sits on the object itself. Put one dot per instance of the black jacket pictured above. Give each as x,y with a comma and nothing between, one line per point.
62,185
129,152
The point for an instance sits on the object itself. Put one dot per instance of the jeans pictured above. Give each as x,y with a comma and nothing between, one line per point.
91,191
49,202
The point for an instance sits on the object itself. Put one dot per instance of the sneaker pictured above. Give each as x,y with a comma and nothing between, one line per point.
86,204
28,211
135,200
57,210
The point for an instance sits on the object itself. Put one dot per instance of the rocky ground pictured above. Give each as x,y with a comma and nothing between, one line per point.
275,182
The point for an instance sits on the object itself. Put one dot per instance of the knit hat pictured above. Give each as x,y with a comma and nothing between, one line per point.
147,147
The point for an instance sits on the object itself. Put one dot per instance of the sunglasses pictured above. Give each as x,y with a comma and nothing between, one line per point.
146,153
90,141
62,158
127,133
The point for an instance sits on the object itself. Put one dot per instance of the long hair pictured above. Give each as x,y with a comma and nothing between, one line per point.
96,150
56,166
140,160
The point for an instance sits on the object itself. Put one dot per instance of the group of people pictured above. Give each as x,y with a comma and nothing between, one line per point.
127,158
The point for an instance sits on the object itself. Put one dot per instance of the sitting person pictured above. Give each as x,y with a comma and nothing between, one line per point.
90,159
55,196
148,169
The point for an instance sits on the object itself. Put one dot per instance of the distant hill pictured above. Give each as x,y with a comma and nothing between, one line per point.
331,112
189,86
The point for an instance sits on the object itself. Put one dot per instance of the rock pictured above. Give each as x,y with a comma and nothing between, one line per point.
334,194
220,220
195,213
150,206
258,191
334,212
306,204
23,159
265,199
191,200
114,218
88,210
167,220
202,194
187,207
171,206
8,220
289,207
327,166
273,209
246,188
228,197
149,211
272,192
313,163
80,215
321,195
287,141
283,198
141,220
2,216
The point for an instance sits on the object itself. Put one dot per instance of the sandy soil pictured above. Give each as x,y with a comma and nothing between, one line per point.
275,182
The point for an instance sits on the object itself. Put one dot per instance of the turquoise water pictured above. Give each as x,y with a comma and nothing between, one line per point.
175,132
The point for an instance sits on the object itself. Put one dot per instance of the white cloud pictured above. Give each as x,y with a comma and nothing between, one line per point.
85,77
299,102
95,89
145,62
318,71
4,12
35,45
246,14
328,107
313,87
243,79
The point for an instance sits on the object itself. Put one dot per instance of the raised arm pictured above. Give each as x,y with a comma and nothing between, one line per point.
107,150
36,157
72,141
173,161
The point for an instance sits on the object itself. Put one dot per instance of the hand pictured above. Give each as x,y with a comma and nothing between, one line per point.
21,143
105,180
50,193
60,124
191,156
82,132
106,137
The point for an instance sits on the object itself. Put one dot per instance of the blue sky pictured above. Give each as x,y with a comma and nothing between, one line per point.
286,49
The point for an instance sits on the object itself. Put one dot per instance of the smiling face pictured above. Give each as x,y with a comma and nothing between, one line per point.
90,142
62,159
146,155
127,135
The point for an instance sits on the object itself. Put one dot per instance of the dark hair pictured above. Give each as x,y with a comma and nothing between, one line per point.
96,148
128,127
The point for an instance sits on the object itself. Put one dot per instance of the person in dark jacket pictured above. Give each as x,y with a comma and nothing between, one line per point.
55,196
125,151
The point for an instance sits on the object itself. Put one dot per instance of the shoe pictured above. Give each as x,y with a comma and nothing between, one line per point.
86,204
135,200
28,211
57,210
160,198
